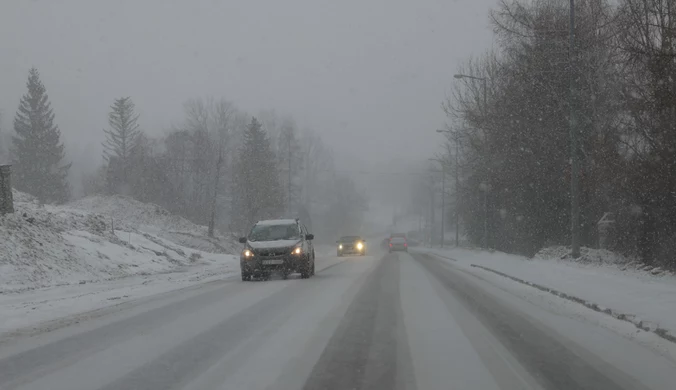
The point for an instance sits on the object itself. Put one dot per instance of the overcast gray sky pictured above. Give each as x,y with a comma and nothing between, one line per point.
369,75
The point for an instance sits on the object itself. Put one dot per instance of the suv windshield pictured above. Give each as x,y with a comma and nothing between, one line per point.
350,239
274,232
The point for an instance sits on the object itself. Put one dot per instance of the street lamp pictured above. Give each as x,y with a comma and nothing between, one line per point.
457,189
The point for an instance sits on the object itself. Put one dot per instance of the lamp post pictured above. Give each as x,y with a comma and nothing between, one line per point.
484,85
457,188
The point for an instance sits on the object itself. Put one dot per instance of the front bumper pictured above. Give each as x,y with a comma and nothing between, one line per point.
259,264
351,251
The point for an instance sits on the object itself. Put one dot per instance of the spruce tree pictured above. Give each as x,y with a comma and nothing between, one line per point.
38,153
123,134
256,190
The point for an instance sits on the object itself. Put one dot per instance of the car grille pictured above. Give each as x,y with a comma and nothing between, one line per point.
276,252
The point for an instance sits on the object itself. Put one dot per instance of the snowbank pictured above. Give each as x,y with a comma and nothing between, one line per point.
587,256
601,280
128,212
131,215
43,245
599,257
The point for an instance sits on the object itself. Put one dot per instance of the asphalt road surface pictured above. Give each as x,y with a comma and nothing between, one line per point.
387,321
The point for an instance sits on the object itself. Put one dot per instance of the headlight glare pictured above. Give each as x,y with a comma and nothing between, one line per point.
247,253
340,246
360,246
297,251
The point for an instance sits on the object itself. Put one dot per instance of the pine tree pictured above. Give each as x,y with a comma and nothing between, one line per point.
38,152
123,134
256,190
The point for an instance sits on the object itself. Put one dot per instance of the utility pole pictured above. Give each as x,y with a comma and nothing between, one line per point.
457,198
431,210
288,202
443,197
212,219
484,84
443,201
457,185
486,219
574,185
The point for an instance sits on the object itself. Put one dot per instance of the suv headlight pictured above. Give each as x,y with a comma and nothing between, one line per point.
340,246
247,253
360,246
297,251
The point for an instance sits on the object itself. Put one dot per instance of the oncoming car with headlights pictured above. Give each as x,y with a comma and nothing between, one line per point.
351,245
279,245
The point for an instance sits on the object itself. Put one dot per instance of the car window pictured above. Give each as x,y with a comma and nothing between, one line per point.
350,238
398,240
274,232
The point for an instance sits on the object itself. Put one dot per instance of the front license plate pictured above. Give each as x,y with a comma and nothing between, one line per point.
272,262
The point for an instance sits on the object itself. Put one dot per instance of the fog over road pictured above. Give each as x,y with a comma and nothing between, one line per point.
383,321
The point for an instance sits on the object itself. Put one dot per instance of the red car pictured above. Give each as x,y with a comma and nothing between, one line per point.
398,244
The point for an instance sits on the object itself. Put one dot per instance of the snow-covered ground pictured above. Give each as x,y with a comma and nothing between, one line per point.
60,260
603,281
41,309
129,214
96,239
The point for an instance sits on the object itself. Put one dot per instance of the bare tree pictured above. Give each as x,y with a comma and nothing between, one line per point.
513,128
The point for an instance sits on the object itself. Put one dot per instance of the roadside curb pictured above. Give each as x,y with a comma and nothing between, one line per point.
444,257
437,255
631,318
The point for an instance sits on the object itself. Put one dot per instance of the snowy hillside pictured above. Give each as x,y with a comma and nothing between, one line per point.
44,246
129,214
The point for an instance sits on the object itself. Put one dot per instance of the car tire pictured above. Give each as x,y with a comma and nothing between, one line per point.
305,268
313,265
246,276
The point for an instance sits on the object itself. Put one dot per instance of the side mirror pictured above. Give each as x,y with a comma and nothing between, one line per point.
309,237
242,240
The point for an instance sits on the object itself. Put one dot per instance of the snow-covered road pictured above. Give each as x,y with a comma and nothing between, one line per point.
388,321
